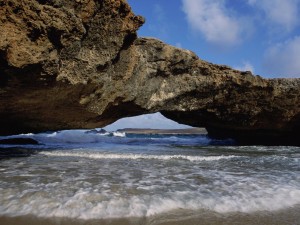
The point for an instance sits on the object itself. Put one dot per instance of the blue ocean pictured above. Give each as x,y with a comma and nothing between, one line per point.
90,177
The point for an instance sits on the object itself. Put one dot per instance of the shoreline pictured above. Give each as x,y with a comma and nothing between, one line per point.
289,216
187,131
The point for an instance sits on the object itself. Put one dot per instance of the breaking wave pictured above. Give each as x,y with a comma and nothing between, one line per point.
97,155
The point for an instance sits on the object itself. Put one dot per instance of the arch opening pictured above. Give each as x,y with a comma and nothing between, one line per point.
151,121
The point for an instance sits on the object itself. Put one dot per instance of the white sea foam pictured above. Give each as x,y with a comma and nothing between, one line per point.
98,155
74,136
62,187
109,181
88,204
119,134
79,137
69,136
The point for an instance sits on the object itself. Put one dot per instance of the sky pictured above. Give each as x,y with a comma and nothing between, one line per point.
261,36
153,121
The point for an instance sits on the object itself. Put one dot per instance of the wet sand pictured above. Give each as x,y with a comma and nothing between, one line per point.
284,217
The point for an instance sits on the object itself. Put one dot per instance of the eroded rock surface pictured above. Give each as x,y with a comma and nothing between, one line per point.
79,64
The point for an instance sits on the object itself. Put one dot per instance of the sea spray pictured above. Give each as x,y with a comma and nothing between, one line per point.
76,174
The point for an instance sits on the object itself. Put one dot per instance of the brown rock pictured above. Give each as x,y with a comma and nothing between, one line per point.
79,64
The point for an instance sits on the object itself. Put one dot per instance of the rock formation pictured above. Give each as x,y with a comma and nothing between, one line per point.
79,64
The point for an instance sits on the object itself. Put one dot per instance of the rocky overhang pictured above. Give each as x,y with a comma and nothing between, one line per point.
67,64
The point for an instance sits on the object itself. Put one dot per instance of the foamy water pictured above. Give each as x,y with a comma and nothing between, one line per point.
96,155
75,174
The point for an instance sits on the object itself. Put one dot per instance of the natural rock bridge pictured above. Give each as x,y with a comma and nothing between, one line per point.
79,64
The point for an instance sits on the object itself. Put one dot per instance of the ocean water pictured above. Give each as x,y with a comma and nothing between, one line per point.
86,176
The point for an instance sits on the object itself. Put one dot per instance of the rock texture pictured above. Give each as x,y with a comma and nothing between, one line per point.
79,64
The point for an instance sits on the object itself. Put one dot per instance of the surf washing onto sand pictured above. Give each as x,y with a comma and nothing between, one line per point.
92,175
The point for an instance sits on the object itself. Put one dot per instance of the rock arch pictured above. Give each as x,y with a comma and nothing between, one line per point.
97,70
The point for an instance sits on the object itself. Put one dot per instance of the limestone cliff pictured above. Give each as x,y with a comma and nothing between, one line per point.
79,64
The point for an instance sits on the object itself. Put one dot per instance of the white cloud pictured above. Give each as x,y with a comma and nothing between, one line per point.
214,21
159,12
246,66
282,13
153,121
283,59
160,26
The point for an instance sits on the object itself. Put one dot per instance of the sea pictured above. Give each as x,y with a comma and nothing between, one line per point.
92,177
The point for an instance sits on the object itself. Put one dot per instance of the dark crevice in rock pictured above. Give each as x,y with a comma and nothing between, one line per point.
26,77
103,68
34,34
42,2
53,3
3,65
87,28
17,10
179,68
127,42
54,37
10,4
162,73
123,10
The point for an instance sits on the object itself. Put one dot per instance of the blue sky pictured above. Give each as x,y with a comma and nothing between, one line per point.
262,36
